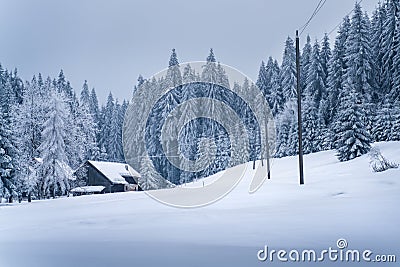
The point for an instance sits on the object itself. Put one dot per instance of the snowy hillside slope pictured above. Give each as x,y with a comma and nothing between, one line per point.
339,200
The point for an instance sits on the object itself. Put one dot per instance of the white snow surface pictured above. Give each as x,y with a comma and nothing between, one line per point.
114,171
339,200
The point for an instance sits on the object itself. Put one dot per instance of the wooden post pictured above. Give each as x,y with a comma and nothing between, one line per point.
267,147
299,109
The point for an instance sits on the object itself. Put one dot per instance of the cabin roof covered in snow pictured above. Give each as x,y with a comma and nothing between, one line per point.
88,189
114,171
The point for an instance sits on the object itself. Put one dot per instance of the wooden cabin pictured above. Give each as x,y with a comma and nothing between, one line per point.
113,176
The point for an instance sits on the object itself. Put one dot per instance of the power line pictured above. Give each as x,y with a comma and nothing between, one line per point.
340,23
321,3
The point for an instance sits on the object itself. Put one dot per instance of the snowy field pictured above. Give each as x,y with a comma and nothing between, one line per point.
340,200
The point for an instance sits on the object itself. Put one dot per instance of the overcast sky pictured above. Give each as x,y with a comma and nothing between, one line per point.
110,43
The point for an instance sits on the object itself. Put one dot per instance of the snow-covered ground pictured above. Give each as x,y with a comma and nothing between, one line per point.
339,200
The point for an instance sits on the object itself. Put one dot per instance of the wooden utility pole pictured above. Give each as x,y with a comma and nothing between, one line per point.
268,163
301,172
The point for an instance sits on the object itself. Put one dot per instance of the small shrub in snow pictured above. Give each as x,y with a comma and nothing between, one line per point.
378,162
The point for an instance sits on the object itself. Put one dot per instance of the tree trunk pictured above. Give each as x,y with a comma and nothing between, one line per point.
29,198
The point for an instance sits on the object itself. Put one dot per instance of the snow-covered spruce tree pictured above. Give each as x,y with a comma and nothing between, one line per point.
311,126
288,71
287,138
63,86
318,104
358,55
85,95
188,134
276,98
8,151
394,92
377,48
94,107
74,139
315,86
7,169
150,179
210,72
106,122
115,150
86,126
222,77
264,81
213,73
305,62
30,116
172,79
353,140
173,76
336,70
17,85
389,42
55,173
395,131
189,74
325,56
383,123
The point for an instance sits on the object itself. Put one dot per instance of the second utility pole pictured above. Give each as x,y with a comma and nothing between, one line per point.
299,109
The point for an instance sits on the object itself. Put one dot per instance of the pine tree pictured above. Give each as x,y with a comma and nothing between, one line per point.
311,126
7,169
389,43
115,150
173,77
305,62
395,131
358,53
288,71
189,75
17,86
353,140
85,95
394,92
8,150
210,72
222,77
325,56
55,172
87,127
336,70
150,179
383,124
30,116
315,86
106,122
64,86
263,81
378,48
276,98
287,131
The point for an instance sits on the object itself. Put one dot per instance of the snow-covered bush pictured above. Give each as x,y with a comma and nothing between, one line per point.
378,162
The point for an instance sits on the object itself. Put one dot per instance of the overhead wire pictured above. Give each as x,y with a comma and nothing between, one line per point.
321,3
340,23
